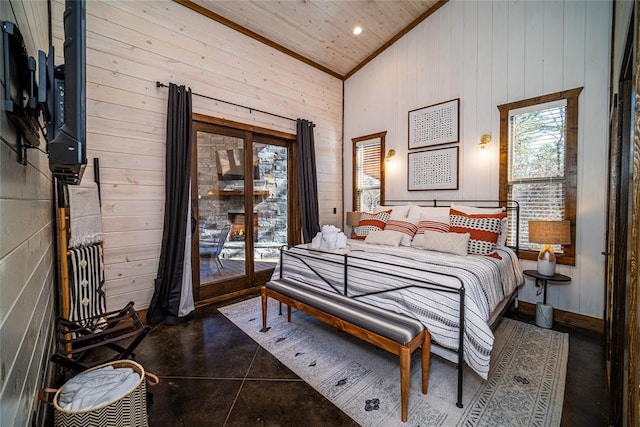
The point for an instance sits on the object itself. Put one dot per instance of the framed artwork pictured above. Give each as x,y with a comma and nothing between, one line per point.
435,169
435,124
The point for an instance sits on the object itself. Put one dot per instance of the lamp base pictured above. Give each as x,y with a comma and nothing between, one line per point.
546,261
544,315
546,268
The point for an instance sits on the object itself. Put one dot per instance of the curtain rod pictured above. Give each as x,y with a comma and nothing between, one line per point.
251,109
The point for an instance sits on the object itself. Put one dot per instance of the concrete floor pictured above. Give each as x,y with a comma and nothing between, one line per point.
212,374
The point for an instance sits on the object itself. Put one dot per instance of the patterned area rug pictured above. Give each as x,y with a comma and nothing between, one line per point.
525,385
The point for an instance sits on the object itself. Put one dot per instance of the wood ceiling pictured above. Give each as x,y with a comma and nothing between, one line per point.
319,32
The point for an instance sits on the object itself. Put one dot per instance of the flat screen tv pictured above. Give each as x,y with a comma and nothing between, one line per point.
67,143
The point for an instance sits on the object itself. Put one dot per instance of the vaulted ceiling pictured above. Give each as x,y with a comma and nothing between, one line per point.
320,32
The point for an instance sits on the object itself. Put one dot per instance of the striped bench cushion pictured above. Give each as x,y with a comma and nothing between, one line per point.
394,326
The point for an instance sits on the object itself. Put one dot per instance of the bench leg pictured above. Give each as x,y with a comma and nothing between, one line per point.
289,313
426,358
264,309
405,370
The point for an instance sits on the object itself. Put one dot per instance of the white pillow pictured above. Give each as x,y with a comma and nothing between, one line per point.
472,210
502,237
387,238
427,212
397,212
453,243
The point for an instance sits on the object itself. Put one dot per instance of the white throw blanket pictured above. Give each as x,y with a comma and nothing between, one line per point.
95,388
329,238
85,220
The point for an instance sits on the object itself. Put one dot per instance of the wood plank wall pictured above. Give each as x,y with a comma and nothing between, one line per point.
27,252
488,53
131,45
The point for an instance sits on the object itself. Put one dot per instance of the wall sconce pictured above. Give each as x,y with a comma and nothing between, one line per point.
390,155
484,141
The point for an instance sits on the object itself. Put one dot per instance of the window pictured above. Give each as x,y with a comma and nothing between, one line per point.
538,162
368,172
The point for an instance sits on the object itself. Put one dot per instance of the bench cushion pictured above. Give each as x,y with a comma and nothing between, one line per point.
394,326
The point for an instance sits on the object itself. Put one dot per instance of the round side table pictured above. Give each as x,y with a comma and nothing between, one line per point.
544,311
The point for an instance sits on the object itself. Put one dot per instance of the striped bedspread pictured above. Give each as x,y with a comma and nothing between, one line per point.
414,282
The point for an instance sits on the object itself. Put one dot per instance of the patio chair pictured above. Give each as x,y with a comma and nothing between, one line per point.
215,251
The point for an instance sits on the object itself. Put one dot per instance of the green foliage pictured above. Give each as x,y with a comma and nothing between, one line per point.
538,144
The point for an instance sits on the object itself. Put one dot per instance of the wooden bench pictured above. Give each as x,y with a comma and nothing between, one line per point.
396,333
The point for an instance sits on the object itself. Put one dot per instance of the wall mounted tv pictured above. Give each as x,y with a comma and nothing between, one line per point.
53,95
68,148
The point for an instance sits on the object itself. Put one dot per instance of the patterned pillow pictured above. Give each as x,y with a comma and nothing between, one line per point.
434,224
407,227
371,222
484,229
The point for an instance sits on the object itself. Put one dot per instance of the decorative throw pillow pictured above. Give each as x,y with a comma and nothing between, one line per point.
483,228
407,227
453,243
384,237
502,237
371,222
437,224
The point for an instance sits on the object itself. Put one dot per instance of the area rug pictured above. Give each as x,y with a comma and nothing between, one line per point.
525,385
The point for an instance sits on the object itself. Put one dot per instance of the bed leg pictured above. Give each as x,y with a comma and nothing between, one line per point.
461,348
459,402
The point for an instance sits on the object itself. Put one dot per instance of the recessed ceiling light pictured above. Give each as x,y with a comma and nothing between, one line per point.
357,30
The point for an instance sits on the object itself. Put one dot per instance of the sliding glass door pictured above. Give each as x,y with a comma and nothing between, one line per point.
240,183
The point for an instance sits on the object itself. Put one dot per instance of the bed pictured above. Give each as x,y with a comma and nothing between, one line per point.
457,297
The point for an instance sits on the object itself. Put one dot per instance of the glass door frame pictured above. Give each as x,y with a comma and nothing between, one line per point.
251,280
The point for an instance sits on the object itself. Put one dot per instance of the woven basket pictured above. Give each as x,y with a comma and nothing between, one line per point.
129,410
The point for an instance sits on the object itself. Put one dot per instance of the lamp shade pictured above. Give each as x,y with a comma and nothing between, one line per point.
353,218
550,232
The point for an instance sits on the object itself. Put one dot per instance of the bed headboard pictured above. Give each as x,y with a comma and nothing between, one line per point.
512,208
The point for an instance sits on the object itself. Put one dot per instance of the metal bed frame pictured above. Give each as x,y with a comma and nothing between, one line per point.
512,208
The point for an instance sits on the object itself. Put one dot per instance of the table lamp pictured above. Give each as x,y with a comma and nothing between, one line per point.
353,218
549,233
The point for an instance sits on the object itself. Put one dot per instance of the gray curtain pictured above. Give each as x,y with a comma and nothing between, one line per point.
308,181
172,300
